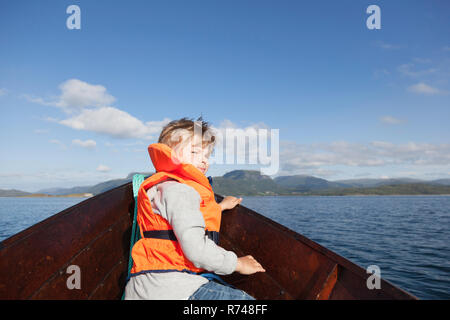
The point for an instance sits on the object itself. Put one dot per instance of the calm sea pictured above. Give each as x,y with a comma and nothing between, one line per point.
408,237
17,214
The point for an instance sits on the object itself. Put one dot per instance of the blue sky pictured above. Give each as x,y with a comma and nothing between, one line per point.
81,106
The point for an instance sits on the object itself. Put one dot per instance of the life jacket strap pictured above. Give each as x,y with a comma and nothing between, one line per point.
160,234
170,235
213,235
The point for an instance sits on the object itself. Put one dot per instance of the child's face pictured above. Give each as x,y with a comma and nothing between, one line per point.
192,152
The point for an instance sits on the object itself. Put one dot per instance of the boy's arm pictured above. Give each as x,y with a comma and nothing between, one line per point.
182,210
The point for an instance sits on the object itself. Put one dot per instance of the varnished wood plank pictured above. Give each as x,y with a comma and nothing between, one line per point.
295,267
112,286
29,259
94,261
328,285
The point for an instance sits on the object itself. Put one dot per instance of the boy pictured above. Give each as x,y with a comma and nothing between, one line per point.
179,221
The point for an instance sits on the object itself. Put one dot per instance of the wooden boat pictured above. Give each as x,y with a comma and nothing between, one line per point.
95,235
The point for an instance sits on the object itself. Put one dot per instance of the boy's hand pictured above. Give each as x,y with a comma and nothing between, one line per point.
248,265
230,202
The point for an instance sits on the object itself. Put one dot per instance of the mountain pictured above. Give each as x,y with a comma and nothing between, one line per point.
445,182
95,189
247,182
303,183
63,191
13,193
252,182
366,183
395,189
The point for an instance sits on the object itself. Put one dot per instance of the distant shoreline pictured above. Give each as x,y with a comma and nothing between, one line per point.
253,183
238,195
339,195
43,195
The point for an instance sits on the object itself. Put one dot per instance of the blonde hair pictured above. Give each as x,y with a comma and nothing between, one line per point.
177,133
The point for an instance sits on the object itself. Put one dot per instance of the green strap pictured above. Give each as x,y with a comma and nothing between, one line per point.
135,232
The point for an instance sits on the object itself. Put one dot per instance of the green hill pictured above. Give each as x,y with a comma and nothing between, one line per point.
95,189
13,193
304,183
252,182
395,189
245,183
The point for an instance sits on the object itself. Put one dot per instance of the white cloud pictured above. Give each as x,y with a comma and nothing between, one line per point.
3,92
76,95
296,158
332,158
425,71
59,143
114,122
79,94
89,144
423,88
380,73
390,120
50,119
103,168
228,124
407,69
35,99
246,137
90,109
422,60
41,131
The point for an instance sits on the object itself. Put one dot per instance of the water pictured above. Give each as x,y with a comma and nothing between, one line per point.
406,236
17,214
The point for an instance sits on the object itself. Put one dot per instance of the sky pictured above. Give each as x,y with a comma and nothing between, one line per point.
80,106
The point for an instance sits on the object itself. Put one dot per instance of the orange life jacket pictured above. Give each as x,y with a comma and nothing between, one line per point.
158,248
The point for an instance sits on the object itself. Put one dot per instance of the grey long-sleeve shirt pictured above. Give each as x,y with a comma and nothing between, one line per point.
180,205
